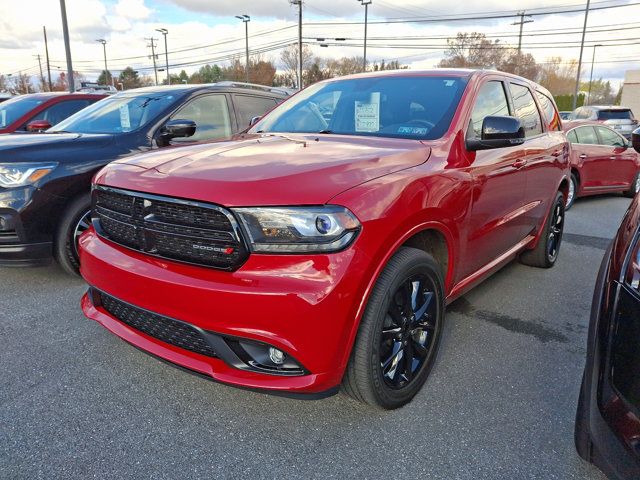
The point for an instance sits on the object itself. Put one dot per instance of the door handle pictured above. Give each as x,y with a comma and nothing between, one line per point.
519,164
583,156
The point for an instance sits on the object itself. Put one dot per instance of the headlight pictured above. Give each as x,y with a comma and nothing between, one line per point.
21,174
299,229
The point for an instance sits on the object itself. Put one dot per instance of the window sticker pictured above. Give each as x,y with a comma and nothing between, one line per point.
125,119
413,130
367,114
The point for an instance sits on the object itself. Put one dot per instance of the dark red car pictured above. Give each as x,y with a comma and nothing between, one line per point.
37,112
602,161
607,429
321,247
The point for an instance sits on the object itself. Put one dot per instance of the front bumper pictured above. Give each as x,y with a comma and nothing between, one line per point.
303,305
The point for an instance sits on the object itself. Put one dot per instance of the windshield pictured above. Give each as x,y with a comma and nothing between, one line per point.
13,109
615,115
116,114
412,107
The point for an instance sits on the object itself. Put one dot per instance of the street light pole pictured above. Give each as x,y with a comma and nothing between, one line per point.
584,31
366,4
164,32
104,50
246,19
67,46
593,59
46,51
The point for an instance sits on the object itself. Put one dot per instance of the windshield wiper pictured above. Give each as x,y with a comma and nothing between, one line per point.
326,131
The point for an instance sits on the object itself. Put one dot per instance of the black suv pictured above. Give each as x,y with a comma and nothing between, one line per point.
45,178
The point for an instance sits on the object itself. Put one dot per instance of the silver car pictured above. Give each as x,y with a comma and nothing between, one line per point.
620,119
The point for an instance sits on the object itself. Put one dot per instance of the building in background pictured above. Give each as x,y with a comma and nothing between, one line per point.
631,91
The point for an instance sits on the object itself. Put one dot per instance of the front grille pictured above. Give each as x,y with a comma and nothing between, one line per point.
174,229
165,329
9,236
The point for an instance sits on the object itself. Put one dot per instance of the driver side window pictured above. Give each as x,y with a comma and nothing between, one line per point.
211,114
491,101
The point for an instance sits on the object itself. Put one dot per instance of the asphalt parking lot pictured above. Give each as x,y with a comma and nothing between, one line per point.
77,402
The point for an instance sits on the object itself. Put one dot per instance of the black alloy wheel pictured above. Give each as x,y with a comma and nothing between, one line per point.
75,221
545,253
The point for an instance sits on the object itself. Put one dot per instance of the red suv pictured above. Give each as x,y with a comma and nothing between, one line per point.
321,247
37,112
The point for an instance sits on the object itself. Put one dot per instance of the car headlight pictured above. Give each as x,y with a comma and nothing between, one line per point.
299,229
21,174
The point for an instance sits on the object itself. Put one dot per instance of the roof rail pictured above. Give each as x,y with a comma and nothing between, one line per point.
254,86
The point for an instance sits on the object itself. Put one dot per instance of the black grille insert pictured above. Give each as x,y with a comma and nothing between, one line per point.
174,229
165,329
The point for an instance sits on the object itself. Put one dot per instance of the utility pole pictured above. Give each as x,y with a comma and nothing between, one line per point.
299,3
164,32
593,59
104,50
246,19
42,74
67,46
46,51
152,44
366,4
521,23
584,32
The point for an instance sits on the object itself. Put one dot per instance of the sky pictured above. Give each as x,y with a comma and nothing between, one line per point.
206,31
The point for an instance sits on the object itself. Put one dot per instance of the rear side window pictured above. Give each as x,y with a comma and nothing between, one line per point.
491,101
60,111
609,137
551,114
526,110
617,114
249,106
586,135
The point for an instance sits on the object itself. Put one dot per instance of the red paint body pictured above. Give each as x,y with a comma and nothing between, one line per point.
487,205
48,100
601,168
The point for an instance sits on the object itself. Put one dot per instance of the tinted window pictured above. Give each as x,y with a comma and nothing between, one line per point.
491,101
615,115
549,109
211,115
249,106
526,110
609,137
586,135
386,106
58,112
119,113
573,138
13,109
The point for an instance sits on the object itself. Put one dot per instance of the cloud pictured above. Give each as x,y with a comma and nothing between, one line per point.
132,9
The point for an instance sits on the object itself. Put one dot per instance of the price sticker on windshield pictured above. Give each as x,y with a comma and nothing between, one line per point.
125,119
367,114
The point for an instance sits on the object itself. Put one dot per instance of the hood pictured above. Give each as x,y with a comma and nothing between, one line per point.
21,144
266,170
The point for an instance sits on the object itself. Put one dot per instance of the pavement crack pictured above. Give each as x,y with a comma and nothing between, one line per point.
512,324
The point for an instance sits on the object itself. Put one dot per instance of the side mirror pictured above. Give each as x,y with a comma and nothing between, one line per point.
38,126
498,132
635,139
254,120
178,129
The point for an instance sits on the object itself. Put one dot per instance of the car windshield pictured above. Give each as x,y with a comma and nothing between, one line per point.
615,115
13,109
117,114
415,107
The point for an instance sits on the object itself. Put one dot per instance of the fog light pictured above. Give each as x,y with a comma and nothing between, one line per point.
6,223
276,356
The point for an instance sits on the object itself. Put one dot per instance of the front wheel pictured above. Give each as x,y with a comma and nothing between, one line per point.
75,220
635,187
399,333
545,254
573,191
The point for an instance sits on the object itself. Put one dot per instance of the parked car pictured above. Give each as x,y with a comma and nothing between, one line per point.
601,162
621,119
45,178
37,112
321,247
607,430
566,115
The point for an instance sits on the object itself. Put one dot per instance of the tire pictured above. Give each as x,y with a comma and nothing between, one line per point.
545,254
573,191
74,222
378,373
635,187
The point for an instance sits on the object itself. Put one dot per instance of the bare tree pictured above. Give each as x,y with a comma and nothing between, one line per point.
289,58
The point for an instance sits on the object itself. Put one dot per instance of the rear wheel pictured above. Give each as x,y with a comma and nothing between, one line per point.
545,254
75,220
573,191
635,187
400,332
